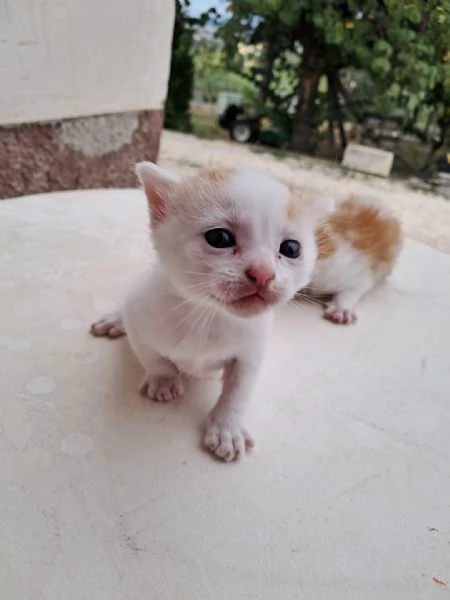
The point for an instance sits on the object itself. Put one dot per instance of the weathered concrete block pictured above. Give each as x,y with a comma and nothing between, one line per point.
368,160
88,152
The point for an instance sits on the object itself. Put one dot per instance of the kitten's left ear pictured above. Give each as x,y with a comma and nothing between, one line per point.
320,207
157,185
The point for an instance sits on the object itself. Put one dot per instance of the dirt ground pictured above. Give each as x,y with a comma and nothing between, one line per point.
425,216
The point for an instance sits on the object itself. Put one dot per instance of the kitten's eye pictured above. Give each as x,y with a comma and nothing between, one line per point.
290,248
220,238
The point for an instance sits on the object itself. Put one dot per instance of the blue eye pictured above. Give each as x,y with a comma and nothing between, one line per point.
220,238
290,249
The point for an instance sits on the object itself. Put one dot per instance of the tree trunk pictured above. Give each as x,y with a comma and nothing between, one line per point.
330,131
311,71
437,145
428,125
336,108
269,58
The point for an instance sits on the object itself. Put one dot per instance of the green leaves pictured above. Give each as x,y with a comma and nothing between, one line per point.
383,49
181,72
402,49
380,66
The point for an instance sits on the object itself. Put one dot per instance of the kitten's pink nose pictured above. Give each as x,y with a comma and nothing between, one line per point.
260,275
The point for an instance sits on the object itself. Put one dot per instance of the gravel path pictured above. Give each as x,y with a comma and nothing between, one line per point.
425,216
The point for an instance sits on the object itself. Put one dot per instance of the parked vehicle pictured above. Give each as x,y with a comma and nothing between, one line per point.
246,126
242,125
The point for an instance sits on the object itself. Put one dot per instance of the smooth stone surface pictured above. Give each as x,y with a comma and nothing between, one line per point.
40,385
108,497
68,324
77,444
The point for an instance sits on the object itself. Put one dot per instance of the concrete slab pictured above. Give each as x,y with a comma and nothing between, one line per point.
368,160
105,496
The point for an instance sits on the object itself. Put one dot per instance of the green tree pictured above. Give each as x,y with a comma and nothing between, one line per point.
401,48
208,66
181,81
213,75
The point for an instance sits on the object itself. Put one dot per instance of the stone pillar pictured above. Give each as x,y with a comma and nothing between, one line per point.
82,90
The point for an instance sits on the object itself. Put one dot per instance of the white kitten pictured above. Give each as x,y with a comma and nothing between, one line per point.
231,247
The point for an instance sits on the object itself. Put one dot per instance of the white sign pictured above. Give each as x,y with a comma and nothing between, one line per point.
368,160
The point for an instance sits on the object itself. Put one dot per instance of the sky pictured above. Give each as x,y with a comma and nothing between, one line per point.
197,7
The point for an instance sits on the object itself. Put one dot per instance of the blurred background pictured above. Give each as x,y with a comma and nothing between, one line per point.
84,85
321,74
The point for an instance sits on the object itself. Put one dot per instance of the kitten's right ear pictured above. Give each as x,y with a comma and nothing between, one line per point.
157,185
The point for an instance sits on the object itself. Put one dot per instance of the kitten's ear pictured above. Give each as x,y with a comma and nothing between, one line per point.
320,207
157,185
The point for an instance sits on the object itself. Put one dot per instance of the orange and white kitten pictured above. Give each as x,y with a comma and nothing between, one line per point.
358,246
231,247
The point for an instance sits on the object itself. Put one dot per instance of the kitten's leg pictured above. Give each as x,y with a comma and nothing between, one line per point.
341,308
225,436
162,381
109,326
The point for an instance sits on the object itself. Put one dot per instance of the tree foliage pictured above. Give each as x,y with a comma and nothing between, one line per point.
212,75
181,79
396,57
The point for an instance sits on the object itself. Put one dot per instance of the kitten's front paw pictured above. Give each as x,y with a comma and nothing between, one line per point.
162,389
340,315
109,326
226,439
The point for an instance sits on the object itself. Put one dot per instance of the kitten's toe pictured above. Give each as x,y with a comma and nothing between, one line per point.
340,315
226,440
109,326
162,389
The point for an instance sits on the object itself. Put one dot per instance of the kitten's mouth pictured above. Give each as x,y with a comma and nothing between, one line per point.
252,302
250,298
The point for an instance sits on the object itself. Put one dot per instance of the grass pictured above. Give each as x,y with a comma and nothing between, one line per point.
206,126
276,152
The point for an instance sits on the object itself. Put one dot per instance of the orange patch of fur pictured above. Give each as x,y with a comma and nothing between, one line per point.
326,243
368,229
199,186
294,209
216,176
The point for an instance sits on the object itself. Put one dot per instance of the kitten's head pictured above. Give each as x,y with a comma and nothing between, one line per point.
238,240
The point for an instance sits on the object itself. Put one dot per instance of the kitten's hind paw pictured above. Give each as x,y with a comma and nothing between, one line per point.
109,326
228,441
162,389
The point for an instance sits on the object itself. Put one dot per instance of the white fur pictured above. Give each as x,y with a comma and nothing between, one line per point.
184,318
347,276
